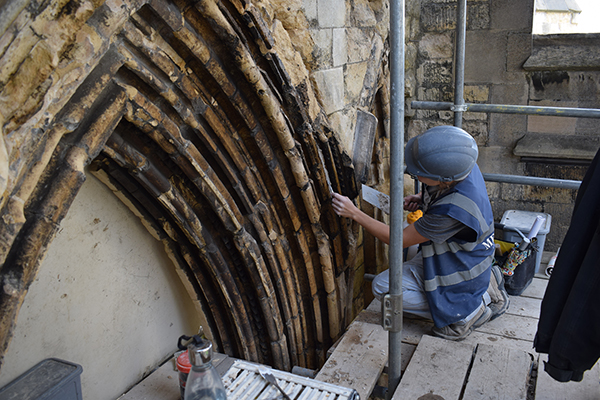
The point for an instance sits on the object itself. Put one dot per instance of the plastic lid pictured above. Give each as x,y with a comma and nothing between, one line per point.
183,362
413,216
524,220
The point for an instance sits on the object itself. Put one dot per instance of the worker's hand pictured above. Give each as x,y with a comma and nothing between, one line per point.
343,206
412,202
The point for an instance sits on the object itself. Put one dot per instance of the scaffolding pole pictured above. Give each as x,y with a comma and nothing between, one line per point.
392,302
533,181
459,70
508,109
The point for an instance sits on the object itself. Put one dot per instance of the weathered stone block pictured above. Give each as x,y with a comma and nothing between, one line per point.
548,195
477,93
478,16
514,15
475,116
550,85
322,49
546,124
4,164
568,147
361,14
410,62
330,85
493,189
587,126
564,53
441,16
339,47
302,41
518,50
331,13
381,11
507,128
27,81
515,94
343,124
413,20
438,17
446,116
493,159
514,192
359,43
432,73
478,129
354,76
108,18
584,87
310,10
436,46
488,66
415,127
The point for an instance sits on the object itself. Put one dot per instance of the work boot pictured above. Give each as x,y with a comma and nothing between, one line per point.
498,295
461,329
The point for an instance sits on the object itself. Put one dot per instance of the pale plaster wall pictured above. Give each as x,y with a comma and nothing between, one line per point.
107,297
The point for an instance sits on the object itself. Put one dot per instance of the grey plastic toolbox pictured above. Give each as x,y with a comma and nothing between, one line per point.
51,379
523,221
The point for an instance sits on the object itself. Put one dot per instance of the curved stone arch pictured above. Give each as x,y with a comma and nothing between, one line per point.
187,111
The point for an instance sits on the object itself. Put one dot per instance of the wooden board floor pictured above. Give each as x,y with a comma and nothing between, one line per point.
497,361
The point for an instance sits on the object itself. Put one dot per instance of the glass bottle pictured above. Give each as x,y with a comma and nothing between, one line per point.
203,382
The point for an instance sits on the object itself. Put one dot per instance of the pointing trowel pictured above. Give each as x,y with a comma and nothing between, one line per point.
376,198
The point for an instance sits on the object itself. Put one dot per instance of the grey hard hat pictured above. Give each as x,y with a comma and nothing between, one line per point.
443,153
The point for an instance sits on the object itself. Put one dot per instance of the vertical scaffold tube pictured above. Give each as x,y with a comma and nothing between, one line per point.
397,23
459,74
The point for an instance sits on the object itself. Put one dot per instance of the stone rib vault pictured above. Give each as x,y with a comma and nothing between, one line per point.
201,117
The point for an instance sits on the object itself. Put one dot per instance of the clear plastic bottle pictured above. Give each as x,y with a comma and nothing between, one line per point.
203,382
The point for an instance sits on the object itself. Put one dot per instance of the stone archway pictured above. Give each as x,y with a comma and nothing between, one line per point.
203,118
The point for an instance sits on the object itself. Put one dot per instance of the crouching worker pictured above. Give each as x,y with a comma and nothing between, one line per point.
451,280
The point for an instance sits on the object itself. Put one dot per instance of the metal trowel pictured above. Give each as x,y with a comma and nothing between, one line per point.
376,198
364,139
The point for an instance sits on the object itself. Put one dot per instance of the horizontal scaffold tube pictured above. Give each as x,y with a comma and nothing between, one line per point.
533,181
509,109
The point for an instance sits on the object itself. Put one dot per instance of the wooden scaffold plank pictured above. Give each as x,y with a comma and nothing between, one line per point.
498,373
437,368
358,359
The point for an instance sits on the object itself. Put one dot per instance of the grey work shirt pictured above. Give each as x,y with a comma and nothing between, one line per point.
436,227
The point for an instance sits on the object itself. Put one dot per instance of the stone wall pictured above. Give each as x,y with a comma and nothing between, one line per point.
505,64
220,125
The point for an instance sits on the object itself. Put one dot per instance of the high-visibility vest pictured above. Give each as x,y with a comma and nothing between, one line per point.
457,272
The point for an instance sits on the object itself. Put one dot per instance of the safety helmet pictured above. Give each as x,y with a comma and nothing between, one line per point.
443,153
